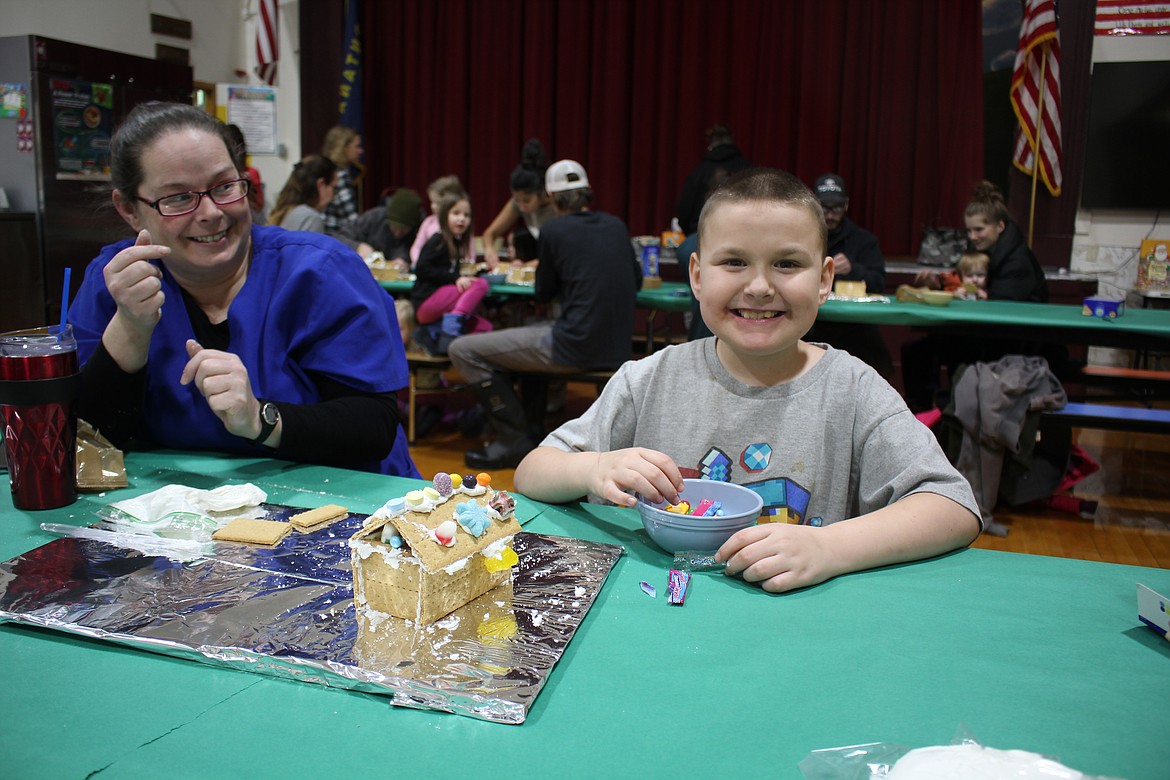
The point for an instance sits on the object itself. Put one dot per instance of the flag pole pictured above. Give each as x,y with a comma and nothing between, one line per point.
1036,138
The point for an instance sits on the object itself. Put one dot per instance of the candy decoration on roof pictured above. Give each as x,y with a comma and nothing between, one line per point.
445,533
473,518
442,483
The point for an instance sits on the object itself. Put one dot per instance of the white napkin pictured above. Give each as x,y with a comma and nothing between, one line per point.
182,512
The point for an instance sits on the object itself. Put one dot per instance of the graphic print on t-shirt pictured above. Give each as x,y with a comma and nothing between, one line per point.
785,499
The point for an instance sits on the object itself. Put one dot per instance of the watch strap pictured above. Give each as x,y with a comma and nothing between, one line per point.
266,427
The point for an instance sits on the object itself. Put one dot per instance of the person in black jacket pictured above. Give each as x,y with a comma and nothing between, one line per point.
1013,274
723,158
587,264
857,256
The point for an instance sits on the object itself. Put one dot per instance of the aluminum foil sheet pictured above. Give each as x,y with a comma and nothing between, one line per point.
288,611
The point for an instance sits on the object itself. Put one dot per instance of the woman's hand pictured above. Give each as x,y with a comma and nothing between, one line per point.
491,256
223,381
135,283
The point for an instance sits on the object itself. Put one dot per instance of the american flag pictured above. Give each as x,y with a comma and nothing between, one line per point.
267,42
1038,50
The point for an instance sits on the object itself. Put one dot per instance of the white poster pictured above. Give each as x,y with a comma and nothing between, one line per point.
253,110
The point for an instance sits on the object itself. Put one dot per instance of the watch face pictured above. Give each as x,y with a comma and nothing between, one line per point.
270,414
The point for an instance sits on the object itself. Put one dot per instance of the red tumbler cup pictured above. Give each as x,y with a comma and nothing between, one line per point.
38,402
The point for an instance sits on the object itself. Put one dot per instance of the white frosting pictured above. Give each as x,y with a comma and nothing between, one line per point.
363,548
459,565
375,618
974,762
496,548
390,556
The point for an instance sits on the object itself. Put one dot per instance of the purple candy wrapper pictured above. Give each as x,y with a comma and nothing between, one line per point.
676,587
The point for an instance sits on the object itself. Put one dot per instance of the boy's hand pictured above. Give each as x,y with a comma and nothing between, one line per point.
648,472
779,556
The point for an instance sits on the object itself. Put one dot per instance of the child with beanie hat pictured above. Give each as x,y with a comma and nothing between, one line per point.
389,229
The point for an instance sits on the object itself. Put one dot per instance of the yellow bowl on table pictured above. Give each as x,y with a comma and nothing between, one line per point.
937,297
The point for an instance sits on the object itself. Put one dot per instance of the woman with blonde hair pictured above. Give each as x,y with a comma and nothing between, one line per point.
343,146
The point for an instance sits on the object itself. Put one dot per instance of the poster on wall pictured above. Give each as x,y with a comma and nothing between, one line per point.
1153,276
253,110
83,119
13,101
1132,17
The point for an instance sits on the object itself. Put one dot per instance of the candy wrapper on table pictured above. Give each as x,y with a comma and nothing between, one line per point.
100,465
288,611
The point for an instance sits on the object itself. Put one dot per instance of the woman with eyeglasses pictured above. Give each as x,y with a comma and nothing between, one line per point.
208,332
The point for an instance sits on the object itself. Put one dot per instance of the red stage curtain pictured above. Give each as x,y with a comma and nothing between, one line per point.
887,94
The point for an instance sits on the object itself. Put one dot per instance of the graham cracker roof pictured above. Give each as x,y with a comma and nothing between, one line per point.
413,527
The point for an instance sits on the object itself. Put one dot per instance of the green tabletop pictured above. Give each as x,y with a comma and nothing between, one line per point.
1029,652
672,296
1050,321
402,286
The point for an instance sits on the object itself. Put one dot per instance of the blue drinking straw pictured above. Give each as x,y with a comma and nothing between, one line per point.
65,298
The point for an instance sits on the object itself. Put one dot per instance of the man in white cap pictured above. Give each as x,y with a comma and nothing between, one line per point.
587,264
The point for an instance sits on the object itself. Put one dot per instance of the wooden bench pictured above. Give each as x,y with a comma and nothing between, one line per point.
1110,418
1139,384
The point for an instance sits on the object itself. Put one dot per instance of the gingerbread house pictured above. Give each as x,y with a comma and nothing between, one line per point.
422,556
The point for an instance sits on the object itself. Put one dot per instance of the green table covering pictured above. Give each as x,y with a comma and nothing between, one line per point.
672,296
1146,327
1029,652
1023,317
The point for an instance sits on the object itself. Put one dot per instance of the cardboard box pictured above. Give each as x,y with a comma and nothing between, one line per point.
1105,308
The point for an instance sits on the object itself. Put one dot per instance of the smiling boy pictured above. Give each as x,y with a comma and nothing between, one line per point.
850,479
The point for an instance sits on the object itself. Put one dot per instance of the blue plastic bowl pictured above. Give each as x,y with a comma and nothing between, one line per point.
494,279
674,532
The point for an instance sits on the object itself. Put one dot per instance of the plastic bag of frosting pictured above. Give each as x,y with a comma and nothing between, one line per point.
181,512
964,759
99,463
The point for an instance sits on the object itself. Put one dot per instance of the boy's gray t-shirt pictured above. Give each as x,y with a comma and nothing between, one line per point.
834,443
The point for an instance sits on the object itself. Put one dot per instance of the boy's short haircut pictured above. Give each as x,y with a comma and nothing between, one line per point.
973,262
572,200
768,185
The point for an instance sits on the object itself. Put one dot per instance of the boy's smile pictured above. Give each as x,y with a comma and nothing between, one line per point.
760,280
